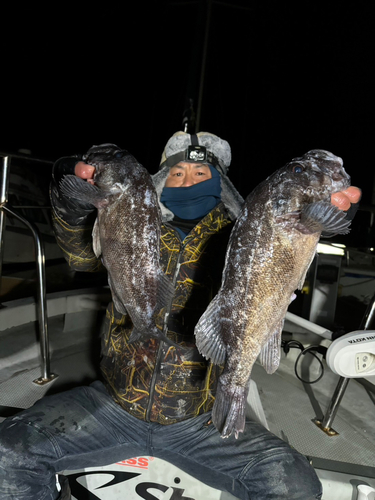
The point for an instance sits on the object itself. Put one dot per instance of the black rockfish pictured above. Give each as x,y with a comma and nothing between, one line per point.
126,234
270,249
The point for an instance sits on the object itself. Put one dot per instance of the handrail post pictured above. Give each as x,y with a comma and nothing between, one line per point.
4,184
325,423
46,376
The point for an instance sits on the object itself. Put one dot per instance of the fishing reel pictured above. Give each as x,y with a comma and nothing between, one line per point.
353,354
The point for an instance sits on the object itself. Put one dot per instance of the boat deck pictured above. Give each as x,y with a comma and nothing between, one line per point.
288,406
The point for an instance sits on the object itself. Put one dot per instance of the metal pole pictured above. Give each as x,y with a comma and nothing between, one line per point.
3,199
334,406
369,315
342,384
41,297
203,65
47,376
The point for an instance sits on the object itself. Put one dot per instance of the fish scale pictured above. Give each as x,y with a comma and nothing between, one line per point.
271,246
126,235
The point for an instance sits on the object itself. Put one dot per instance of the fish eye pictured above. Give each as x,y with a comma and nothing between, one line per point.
297,169
119,154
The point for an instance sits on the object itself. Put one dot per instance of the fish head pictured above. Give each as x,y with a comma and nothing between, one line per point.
308,179
112,165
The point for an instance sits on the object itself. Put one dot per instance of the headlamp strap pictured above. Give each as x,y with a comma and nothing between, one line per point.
194,140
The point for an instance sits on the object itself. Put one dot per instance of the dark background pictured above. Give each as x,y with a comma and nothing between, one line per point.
280,78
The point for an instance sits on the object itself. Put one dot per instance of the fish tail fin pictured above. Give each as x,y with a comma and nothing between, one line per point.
137,335
165,292
208,334
165,295
228,414
325,217
72,186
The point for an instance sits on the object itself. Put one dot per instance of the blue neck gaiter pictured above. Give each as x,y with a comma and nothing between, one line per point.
193,202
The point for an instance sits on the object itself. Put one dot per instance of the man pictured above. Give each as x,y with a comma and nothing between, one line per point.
154,400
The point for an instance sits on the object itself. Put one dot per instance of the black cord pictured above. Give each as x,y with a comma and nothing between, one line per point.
286,345
305,351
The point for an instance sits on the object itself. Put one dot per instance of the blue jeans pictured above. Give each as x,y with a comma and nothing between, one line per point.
84,427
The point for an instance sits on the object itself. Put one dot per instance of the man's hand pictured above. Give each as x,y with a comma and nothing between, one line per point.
344,199
85,171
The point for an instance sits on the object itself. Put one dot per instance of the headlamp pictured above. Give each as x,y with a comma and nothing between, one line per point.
196,154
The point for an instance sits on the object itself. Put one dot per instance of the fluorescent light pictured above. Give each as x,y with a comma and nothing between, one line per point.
333,249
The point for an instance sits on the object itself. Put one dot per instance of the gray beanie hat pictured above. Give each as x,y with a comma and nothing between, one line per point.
218,154
176,150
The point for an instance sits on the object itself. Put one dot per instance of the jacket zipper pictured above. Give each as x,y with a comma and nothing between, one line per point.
160,350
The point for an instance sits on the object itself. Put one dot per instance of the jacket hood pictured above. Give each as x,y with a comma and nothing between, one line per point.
217,151
231,198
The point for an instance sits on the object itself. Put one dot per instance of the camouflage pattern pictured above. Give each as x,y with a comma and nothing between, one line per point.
151,380
76,244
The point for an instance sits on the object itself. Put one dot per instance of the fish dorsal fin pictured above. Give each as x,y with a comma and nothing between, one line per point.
269,356
208,334
324,217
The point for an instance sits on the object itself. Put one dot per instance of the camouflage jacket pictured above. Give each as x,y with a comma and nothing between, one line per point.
151,380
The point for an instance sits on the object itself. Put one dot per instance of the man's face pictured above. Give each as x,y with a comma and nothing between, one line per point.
186,174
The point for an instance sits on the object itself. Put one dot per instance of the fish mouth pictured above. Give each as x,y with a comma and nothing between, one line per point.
95,181
330,165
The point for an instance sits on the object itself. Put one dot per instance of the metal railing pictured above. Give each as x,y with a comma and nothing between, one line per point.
326,423
41,303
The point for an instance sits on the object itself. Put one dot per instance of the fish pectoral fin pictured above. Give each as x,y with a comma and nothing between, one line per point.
72,186
324,217
208,334
269,356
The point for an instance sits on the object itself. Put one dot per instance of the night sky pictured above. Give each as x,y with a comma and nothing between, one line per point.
280,78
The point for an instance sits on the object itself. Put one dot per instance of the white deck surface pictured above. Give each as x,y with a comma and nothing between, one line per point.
342,462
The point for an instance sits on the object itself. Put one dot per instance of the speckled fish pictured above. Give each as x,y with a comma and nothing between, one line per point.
126,234
270,250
